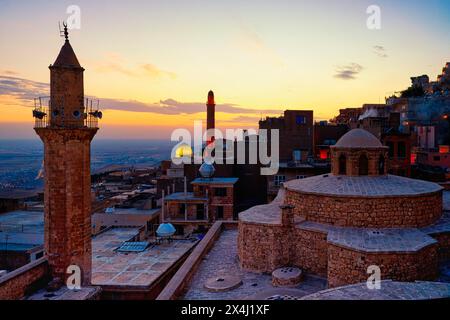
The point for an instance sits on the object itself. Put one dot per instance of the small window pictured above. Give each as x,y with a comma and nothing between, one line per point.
219,212
182,208
363,165
381,165
76,114
391,149
401,150
200,212
279,180
300,120
220,192
301,177
297,155
342,164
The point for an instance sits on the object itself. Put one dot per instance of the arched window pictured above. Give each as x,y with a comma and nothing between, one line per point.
363,165
342,164
381,165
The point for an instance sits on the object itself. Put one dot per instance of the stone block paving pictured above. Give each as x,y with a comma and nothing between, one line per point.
372,186
64,293
390,290
222,260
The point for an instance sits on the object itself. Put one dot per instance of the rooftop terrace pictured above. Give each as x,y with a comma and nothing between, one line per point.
222,261
21,230
112,268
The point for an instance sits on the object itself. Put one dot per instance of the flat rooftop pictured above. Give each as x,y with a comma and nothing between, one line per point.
112,268
181,196
30,220
21,230
363,186
125,211
222,261
215,181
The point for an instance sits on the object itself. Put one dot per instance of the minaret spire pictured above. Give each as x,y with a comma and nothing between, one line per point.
210,118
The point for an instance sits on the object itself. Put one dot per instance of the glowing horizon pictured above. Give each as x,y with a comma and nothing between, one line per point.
152,63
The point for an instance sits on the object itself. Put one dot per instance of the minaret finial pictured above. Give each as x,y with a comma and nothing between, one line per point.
65,31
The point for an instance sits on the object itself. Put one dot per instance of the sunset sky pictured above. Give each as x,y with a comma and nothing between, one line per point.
152,63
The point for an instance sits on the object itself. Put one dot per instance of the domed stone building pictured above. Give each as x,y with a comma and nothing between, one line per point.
337,225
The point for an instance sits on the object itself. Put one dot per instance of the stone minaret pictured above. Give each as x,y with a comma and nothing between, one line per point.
67,131
211,111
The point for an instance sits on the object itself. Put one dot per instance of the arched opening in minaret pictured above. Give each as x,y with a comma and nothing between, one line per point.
363,165
342,164
381,165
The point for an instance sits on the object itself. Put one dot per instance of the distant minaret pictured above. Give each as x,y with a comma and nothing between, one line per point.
210,110
67,134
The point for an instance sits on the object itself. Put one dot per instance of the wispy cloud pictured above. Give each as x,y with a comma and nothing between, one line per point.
9,73
380,51
174,107
115,63
251,42
348,72
24,91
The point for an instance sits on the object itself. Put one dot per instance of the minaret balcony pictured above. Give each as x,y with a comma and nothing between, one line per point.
43,113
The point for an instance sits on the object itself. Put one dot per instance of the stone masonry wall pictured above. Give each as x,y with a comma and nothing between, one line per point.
387,212
352,160
444,245
263,248
310,251
21,282
348,267
67,199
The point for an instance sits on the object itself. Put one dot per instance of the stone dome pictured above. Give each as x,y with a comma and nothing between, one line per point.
358,138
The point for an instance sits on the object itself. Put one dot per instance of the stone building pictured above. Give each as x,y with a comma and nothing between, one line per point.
296,131
339,224
212,199
399,145
67,128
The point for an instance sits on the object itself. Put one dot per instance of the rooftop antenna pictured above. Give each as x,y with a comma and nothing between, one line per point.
64,32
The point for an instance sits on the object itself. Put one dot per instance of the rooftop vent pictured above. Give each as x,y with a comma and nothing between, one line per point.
133,247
